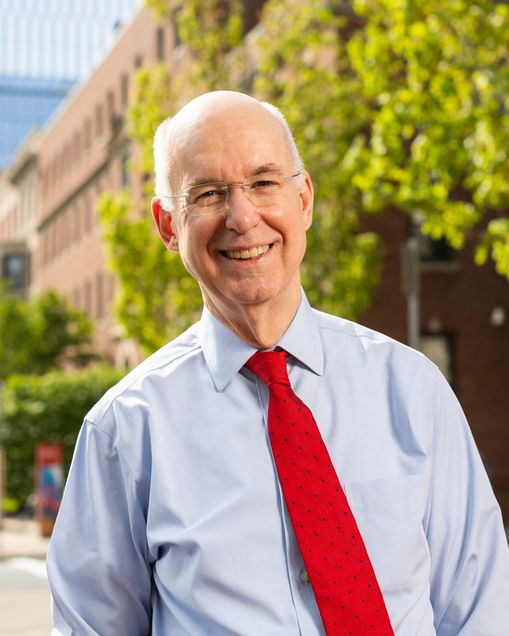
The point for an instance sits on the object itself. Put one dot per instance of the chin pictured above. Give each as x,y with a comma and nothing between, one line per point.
253,294
253,297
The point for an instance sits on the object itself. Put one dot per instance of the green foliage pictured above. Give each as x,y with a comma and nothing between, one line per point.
41,334
435,80
10,505
208,31
150,103
158,299
395,104
407,103
303,69
162,8
49,408
495,243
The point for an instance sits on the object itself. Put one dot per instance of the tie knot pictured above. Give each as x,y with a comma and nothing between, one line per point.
269,366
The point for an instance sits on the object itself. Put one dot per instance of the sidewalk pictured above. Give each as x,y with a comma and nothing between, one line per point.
21,538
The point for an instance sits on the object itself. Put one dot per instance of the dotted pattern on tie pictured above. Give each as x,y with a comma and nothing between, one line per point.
340,572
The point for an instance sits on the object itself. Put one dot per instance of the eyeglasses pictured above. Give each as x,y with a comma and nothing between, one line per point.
211,198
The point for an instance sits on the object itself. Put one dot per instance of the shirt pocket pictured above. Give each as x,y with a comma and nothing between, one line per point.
389,514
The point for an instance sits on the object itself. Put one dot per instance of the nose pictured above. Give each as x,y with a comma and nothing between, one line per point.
240,213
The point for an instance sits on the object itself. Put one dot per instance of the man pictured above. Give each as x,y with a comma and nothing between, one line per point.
178,516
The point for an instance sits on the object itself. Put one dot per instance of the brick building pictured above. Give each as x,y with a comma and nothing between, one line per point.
464,311
85,151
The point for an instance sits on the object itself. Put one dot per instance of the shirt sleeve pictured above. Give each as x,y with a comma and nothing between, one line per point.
469,553
98,570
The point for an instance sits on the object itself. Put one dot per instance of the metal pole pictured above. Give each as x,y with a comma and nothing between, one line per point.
411,288
2,460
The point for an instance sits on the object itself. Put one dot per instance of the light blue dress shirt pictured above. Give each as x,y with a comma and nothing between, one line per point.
173,521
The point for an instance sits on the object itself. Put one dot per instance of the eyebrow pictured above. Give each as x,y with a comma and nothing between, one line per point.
263,169
268,167
201,181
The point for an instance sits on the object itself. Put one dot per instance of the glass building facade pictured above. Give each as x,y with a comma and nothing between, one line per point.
46,46
25,104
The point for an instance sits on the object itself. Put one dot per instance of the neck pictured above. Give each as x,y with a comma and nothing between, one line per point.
260,325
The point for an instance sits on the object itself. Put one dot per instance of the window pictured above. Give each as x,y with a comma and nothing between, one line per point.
14,270
110,108
435,251
124,90
58,235
99,124
160,43
430,250
87,133
54,172
87,213
76,297
110,294
52,241
110,104
138,61
76,143
439,348
99,295
45,253
44,181
124,169
76,216
65,231
87,294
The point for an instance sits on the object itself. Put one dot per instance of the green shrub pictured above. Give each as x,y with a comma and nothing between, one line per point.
47,408
10,505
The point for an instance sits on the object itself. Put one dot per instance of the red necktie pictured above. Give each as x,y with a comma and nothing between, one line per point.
340,572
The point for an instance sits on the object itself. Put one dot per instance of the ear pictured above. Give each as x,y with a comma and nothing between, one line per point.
163,220
306,194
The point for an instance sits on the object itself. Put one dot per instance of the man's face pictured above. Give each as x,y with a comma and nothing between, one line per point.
232,146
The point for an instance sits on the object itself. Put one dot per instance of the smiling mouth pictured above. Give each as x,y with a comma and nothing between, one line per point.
245,255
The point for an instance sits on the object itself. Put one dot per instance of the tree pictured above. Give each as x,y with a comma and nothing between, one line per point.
434,78
420,90
41,334
303,68
47,408
158,298
395,104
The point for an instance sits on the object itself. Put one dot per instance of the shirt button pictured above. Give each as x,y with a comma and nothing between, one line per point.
304,576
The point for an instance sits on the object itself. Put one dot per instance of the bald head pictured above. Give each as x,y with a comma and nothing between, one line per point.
213,104
202,117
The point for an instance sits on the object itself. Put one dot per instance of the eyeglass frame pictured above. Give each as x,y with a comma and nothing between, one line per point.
245,186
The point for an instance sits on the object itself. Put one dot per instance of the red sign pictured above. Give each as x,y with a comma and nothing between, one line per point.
49,462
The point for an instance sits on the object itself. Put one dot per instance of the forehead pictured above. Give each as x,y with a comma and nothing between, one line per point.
229,145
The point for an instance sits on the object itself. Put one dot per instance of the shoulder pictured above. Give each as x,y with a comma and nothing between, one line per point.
167,360
355,342
384,372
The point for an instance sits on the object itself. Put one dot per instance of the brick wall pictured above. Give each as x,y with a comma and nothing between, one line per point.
457,299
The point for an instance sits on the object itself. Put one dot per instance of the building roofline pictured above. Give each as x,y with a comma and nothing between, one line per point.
26,153
75,92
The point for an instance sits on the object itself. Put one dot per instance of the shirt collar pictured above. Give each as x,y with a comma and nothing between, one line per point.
225,353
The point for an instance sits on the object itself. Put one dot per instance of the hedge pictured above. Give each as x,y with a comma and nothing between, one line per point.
46,408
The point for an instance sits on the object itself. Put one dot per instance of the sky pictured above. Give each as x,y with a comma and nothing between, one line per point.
46,47
58,39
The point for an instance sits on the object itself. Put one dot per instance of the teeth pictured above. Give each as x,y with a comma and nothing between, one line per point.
245,254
